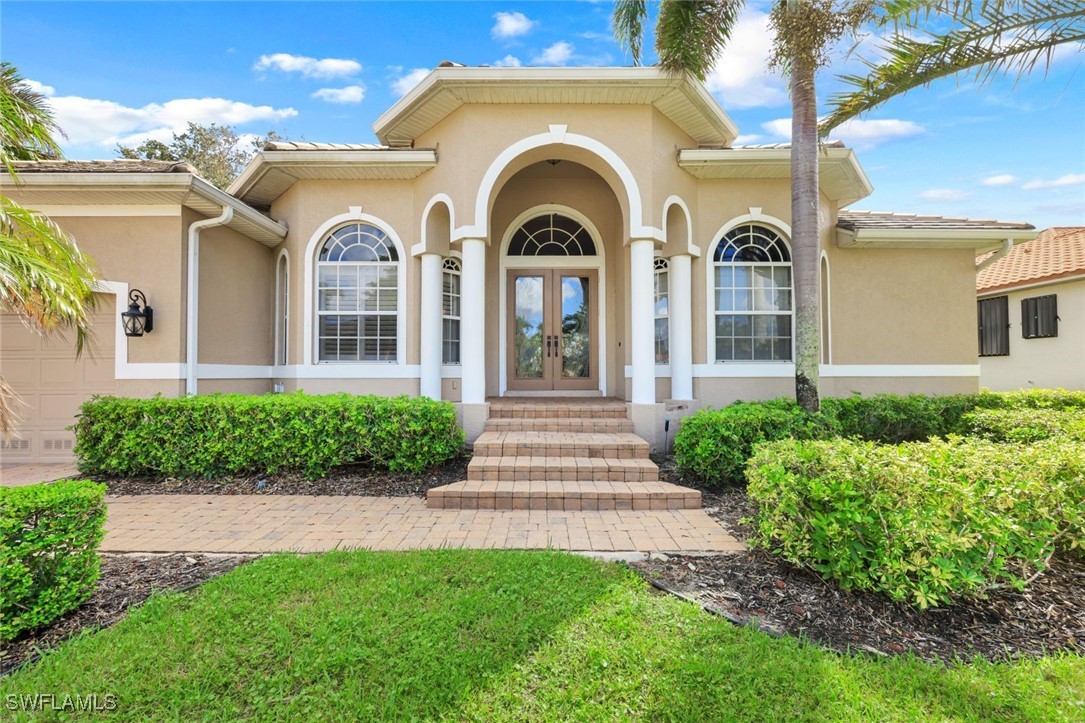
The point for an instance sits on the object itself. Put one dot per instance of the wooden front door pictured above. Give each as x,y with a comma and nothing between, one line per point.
551,335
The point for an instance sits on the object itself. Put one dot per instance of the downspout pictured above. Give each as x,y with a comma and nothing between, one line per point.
1007,246
191,332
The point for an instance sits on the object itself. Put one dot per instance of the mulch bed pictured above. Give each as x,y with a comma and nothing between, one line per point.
358,480
126,580
778,596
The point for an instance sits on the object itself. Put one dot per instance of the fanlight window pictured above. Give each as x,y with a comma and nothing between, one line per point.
551,235
753,292
357,295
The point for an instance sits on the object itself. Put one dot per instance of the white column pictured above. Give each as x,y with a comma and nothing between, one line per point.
473,321
641,258
430,326
681,312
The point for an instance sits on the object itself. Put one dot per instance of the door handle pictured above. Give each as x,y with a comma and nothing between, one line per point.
549,340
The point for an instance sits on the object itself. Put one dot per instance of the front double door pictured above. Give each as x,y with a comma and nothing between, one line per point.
552,316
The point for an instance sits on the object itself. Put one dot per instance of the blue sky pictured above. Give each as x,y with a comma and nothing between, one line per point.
325,71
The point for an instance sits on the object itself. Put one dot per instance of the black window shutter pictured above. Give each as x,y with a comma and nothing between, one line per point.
1039,317
994,326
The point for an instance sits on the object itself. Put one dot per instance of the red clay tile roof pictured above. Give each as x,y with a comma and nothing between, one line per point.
1056,253
851,220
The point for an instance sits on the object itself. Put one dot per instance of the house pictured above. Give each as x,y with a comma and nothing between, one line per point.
518,231
1031,313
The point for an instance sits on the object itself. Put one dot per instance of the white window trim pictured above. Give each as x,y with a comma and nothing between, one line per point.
753,217
282,311
354,215
458,257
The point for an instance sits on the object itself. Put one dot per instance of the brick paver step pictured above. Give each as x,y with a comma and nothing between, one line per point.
556,424
556,495
566,469
622,445
562,409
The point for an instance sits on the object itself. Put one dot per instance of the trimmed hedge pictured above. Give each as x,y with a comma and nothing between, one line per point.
1027,425
921,522
218,435
49,536
714,444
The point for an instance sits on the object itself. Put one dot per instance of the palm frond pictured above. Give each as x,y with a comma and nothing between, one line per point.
27,126
630,17
691,34
44,278
988,43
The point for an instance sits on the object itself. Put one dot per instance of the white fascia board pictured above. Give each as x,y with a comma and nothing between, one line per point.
954,238
275,229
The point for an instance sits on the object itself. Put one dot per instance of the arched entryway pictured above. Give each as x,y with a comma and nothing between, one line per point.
552,321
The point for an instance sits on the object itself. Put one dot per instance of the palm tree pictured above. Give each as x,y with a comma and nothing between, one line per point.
690,35
989,38
44,278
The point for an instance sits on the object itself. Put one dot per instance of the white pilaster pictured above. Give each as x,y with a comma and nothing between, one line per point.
681,313
430,326
641,258
473,321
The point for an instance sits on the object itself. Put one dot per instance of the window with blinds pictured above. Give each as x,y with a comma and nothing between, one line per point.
994,326
1039,317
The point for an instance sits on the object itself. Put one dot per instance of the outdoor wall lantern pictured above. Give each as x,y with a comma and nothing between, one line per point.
138,320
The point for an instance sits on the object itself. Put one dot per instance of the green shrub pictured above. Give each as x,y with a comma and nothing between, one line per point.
49,536
216,435
1027,424
921,522
890,418
714,444
1031,399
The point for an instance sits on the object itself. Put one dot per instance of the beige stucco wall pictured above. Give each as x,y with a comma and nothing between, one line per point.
1055,362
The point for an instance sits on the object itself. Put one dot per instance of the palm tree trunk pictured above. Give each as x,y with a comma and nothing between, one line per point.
805,243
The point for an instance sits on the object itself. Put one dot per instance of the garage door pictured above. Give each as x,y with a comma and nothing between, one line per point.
53,383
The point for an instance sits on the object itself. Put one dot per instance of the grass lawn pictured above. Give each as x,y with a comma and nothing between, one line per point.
483,635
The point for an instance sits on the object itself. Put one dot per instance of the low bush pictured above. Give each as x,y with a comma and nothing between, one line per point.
1027,424
216,435
921,522
891,418
49,536
1031,399
714,444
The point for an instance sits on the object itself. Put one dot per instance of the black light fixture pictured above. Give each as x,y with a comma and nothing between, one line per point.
137,320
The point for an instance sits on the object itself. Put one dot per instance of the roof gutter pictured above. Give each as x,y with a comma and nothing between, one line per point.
1007,246
192,327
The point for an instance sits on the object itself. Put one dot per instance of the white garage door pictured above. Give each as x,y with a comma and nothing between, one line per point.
53,383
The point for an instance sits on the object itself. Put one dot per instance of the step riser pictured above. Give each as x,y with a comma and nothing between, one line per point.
568,503
557,412
559,449
583,426
563,474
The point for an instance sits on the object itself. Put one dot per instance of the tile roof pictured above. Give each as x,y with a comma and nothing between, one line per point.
824,144
1056,253
856,220
302,146
116,165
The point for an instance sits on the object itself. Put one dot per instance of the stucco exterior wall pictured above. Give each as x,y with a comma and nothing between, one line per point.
1048,363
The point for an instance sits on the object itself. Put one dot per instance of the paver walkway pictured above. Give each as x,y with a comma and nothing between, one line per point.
268,523
19,474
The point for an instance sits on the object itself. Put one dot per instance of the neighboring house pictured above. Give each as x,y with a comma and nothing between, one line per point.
1031,313
564,231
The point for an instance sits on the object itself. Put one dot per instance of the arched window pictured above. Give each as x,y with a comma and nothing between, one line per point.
752,272
551,234
450,312
662,311
357,295
282,309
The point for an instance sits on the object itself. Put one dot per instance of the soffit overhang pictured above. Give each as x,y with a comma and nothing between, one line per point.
686,103
840,176
142,189
978,239
270,173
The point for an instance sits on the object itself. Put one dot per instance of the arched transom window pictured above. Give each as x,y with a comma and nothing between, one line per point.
752,272
450,312
551,234
357,295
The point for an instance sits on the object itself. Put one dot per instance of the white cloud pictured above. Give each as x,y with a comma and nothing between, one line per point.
511,25
1070,179
945,194
741,78
403,84
89,121
557,54
1000,179
309,67
745,138
781,127
509,61
349,94
40,88
859,134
